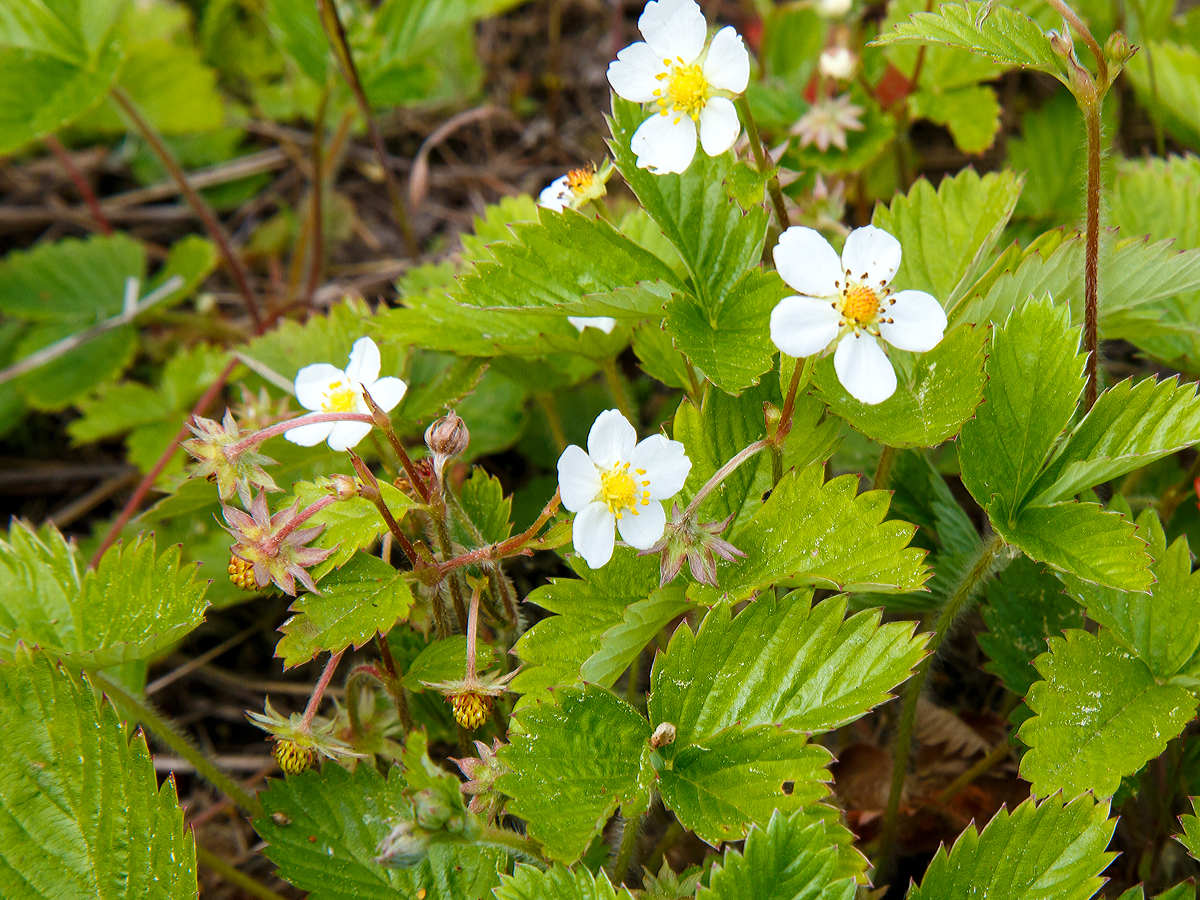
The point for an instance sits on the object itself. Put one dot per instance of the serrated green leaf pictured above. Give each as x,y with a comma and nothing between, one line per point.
576,760
621,644
789,859
349,525
820,534
364,597
971,114
936,393
446,660
81,811
130,607
333,821
738,777
1025,606
81,281
482,498
54,385
1047,850
659,357
437,381
1191,833
1100,715
557,883
1051,153
780,663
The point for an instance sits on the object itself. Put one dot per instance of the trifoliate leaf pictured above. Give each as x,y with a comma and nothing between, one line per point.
1100,715
349,525
821,534
130,607
364,597
780,663
323,831
1025,606
1047,850
557,883
577,759
82,812
789,858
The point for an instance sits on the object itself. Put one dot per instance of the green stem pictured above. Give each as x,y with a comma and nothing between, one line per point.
629,841
510,842
144,713
233,876
883,468
760,158
546,402
722,473
618,390
443,536
971,582
394,684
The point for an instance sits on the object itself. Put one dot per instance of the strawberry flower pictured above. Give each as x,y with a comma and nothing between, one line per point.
619,482
690,83
274,545
850,303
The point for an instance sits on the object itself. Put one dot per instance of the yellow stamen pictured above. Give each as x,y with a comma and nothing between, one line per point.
342,397
860,305
620,492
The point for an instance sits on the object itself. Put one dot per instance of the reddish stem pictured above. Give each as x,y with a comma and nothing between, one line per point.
257,437
314,701
81,183
493,552
299,519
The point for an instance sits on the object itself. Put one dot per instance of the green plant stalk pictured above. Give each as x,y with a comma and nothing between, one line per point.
883,468
613,377
971,582
437,515
233,876
394,684
801,374
510,842
760,159
629,840
546,402
145,714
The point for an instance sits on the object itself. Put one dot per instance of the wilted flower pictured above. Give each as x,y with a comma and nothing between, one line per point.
691,85
619,482
298,745
827,122
482,773
849,301
325,388
240,471
576,188
837,62
274,544
698,542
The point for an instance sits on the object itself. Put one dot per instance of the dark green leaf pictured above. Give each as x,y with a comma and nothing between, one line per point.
557,883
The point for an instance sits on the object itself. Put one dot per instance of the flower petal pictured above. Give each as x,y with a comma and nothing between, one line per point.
666,465
808,263
665,144
312,383
719,126
674,28
553,196
864,369
634,73
347,434
364,362
872,255
611,439
604,323
578,478
387,392
592,535
918,322
727,66
310,435
644,529
802,326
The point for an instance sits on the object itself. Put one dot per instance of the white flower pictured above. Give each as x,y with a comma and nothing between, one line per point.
837,63
618,483
576,188
325,388
604,323
691,85
848,301
833,8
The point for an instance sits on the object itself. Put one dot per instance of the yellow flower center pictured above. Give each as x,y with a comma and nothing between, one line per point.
687,90
860,304
342,397
579,180
620,490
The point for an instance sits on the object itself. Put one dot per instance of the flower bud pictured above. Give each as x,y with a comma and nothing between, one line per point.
447,437
403,847
664,734
837,63
1117,48
344,487
432,812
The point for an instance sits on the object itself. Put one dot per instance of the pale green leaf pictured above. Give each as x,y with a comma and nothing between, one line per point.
621,644
348,525
446,660
577,758
1051,154
1100,715
1034,852
557,883
82,281
659,357
1191,833
1174,92
54,385
971,114
81,810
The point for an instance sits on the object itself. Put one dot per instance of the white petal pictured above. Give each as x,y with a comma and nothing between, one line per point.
310,435
802,326
719,126
666,465
364,362
604,323
552,196
312,383
642,530
347,434
918,321
387,392
634,73
665,144
611,439
592,535
808,263
674,28
864,369
872,255
578,478
727,66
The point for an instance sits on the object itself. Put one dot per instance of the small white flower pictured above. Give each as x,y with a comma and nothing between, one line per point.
833,9
620,482
691,84
837,63
576,188
604,323
849,301
325,388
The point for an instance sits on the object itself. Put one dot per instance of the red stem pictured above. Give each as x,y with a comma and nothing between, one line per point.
257,437
299,519
81,183
503,548
314,701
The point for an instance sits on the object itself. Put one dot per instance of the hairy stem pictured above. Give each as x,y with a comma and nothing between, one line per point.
255,438
801,373
509,547
1082,30
760,159
1091,116
883,468
443,536
524,849
722,473
546,402
376,496
299,519
314,701
630,833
